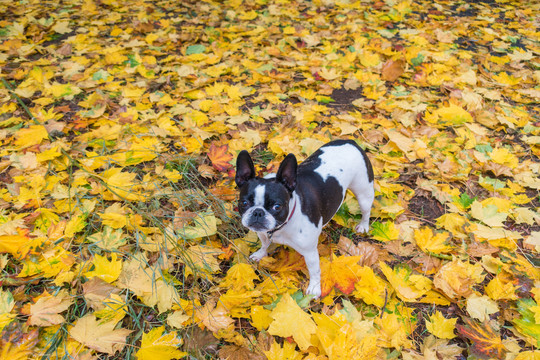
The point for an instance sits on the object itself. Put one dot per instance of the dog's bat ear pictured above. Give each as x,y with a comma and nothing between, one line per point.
286,173
245,170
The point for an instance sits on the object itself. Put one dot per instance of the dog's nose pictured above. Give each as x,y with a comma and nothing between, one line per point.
258,213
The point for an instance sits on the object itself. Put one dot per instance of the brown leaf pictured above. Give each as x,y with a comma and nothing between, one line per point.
64,49
427,264
392,70
220,157
479,249
233,352
370,253
183,218
397,247
224,193
96,290
206,171
200,339
497,169
486,342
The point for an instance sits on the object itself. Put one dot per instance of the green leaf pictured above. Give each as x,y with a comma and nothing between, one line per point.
464,200
418,60
195,49
527,324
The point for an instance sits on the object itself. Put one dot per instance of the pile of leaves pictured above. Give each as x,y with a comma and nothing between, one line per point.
120,122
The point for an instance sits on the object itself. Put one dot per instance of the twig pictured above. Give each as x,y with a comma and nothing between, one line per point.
385,302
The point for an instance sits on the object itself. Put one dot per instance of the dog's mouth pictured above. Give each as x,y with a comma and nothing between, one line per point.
258,226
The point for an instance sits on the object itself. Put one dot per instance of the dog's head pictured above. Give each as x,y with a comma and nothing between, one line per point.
264,202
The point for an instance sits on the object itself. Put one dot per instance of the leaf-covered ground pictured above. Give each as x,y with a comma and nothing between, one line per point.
120,122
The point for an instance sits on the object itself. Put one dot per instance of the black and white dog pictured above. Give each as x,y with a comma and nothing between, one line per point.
292,206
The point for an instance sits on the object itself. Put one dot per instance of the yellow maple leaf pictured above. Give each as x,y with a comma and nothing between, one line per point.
121,185
501,288
114,309
238,301
97,335
528,355
291,320
408,286
74,225
114,216
504,157
205,225
49,264
240,276
33,135
156,344
429,243
46,310
201,258
162,293
178,319
456,278
214,317
260,317
16,245
441,327
505,79
370,59
449,115
67,91
276,352
62,27
454,223
481,307
369,287
340,272
105,269
393,331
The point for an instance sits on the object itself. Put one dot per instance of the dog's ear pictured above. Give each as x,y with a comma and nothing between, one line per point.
245,170
286,173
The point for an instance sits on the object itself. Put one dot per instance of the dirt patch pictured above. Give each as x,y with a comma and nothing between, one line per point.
426,208
343,98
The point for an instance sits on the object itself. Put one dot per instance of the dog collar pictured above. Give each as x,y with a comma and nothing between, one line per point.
271,232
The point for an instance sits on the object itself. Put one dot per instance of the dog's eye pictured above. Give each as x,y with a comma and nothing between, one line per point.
276,207
245,202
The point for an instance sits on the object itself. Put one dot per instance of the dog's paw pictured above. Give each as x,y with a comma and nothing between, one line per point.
314,289
362,228
257,255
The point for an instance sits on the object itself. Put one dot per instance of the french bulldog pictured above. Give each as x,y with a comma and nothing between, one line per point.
292,206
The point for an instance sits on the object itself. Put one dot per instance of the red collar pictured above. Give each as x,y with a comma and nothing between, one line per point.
271,232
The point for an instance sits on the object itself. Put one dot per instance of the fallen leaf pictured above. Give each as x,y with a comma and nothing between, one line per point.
219,157
100,336
392,70
291,320
156,344
486,343
441,327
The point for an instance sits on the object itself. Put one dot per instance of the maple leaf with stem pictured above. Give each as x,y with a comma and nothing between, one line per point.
486,342
156,344
220,157
100,336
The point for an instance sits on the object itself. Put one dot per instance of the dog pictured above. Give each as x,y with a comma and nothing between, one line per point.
292,206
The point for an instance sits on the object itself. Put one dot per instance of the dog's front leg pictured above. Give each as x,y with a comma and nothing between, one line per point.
263,251
311,256
314,268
